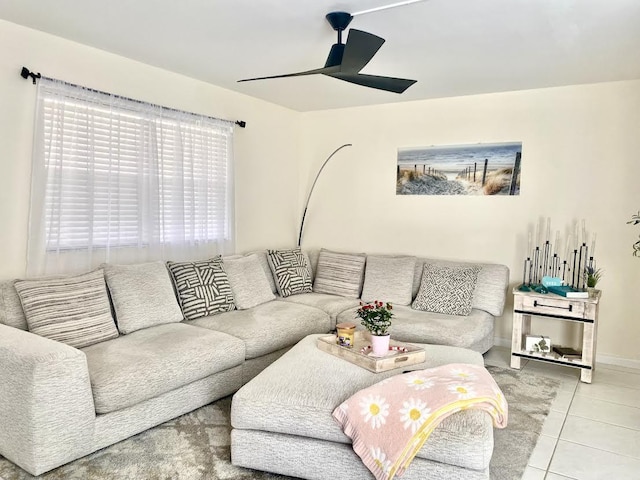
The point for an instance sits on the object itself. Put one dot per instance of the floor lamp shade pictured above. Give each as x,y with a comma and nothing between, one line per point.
306,205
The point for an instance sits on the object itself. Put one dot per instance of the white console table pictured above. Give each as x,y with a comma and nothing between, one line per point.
581,310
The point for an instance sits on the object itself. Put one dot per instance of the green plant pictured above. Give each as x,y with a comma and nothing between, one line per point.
592,276
635,220
375,316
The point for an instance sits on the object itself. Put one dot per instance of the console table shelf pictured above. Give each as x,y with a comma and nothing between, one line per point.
581,310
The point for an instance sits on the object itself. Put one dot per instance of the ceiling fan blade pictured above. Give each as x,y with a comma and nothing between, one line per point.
359,50
390,84
325,70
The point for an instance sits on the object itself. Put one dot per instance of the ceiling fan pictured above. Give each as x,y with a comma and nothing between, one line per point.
345,60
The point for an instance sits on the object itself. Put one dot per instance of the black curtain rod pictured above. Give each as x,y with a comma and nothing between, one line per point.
26,73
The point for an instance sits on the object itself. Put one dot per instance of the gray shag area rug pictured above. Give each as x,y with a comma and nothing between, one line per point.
196,445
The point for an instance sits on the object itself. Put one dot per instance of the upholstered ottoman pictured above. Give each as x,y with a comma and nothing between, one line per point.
282,420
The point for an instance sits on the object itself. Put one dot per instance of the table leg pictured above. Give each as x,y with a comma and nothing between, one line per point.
588,343
521,327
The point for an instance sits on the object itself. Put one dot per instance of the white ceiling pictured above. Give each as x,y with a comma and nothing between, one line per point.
452,47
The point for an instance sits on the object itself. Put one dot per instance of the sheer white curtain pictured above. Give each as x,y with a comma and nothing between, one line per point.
120,181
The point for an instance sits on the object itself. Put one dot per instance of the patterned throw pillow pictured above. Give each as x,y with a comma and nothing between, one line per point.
339,273
73,310
203,287
291,271
446,289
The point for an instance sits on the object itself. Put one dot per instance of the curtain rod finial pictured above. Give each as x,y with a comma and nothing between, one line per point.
241,123
25,73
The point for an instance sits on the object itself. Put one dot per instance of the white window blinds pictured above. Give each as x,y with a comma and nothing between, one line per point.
116,180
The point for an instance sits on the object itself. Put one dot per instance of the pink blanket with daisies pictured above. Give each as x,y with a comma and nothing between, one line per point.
390,421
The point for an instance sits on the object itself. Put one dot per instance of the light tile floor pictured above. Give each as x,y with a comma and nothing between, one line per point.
592,431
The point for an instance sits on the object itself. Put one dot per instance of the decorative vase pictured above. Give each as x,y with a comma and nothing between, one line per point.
380,344
593,292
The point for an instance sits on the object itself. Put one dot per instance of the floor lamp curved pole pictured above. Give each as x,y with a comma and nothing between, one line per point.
306,205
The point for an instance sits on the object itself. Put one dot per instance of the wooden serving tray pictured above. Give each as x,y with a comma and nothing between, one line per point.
395,359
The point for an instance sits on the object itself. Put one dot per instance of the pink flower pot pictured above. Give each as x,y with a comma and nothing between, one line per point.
380,345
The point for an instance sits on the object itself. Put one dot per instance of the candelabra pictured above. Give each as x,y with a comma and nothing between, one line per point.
544,260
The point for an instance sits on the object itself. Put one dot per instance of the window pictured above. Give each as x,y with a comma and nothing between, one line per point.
119,180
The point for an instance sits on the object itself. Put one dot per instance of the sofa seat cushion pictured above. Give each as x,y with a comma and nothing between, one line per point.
408,325
330,304
270,326
152,361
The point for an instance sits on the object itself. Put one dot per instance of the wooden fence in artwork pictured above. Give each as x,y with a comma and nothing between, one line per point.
471,173
425,170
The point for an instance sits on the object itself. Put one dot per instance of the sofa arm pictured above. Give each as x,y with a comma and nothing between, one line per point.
47,414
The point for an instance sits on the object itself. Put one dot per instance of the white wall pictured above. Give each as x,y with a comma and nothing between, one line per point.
265,151
581,159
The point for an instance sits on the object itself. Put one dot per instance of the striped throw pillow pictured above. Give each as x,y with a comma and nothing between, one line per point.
291,271
73,310
203,287
339,273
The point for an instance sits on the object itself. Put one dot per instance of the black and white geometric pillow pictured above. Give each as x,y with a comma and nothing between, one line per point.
203,287
446,289
291,271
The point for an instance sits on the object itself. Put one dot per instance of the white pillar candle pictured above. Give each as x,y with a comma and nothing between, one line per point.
593,246
529,247
556,244
548,229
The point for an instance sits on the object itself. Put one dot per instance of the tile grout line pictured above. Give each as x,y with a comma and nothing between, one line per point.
564,420
634,429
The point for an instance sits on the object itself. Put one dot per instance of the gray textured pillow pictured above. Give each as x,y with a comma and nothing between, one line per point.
73,310
11,312
203,287
446,289
142,295
339,273
291,271
388,279
248,280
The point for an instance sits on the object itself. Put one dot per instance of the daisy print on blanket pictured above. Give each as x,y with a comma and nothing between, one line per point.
374,410
380,459
413,414
390,421
418,383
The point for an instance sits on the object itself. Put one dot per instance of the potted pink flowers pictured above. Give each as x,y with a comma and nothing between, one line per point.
376,317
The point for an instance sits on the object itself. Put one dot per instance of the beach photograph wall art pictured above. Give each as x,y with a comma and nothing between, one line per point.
479,169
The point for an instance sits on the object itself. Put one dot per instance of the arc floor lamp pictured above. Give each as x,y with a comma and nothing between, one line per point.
306,205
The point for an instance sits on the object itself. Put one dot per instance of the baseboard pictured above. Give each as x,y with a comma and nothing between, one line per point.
600,358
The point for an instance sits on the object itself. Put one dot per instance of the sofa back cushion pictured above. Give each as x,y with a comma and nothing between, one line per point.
11,312
389,279
248,281
339,273
264,263
74,310
142,295
291,271
490,292
203,287
446,289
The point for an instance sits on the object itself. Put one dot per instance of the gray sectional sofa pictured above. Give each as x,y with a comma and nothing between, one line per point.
59,403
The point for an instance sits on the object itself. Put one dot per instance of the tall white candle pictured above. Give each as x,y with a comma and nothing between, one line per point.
556,244
593,246
568,253
548,239
584,233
